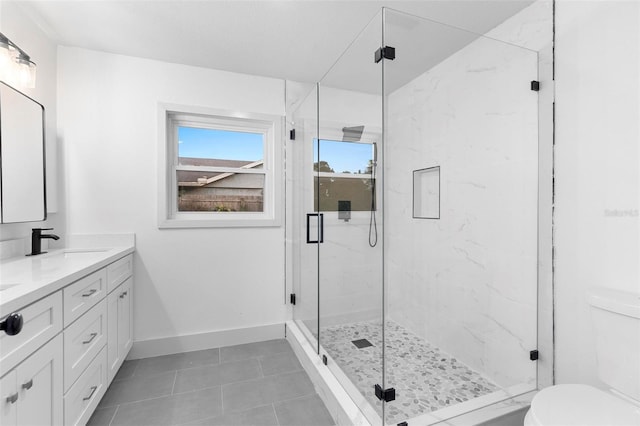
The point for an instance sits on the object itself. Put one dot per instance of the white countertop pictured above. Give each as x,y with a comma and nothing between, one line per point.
27,279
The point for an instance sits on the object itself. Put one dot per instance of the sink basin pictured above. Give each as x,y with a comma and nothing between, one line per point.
75,253
71,254
7,286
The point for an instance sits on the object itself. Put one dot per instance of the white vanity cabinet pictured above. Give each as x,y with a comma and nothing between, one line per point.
72,343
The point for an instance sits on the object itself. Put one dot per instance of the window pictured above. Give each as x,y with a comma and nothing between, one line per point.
219,168
344,175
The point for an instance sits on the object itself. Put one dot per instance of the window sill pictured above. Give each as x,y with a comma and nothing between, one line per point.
220,222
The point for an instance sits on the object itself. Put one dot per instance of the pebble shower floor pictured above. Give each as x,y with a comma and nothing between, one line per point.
426,379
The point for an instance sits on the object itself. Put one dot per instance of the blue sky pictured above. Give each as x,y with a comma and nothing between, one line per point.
230,145
344,156
220,144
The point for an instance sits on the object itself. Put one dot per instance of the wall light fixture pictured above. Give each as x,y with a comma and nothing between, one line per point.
16,67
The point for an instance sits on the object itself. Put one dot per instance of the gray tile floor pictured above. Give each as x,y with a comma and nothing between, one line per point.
253,384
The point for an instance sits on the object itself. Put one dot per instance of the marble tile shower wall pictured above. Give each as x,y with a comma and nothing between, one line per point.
467,282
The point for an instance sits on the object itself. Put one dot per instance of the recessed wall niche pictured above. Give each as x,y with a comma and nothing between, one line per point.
426,193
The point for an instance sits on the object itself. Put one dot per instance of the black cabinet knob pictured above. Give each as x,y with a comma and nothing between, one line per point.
12,324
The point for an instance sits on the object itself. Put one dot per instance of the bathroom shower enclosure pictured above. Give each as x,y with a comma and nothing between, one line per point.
412,173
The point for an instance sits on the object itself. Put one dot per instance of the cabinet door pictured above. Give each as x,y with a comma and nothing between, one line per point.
119,326
9,401
125,325
113,355
39,380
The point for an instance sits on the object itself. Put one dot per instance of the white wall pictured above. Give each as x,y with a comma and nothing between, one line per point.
186,280
21,29
596,169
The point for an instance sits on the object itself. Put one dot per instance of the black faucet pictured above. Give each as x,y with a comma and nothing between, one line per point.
36,240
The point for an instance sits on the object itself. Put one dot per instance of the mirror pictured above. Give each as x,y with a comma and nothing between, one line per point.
22,158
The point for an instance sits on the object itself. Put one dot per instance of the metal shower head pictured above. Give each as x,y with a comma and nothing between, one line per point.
352,134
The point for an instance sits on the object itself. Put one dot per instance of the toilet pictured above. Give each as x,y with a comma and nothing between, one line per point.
616,320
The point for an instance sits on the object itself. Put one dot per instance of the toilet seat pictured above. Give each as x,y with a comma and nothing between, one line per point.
580,405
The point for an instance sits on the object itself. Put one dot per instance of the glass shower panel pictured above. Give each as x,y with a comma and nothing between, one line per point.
302,99
461,276
346,193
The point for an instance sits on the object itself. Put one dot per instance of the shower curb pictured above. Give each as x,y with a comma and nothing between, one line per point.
340,405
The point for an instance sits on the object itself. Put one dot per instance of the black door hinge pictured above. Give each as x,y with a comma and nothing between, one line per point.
386,395
292,134
386,52
533,355
292,298
535,86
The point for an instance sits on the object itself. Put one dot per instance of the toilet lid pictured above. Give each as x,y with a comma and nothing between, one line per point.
581,405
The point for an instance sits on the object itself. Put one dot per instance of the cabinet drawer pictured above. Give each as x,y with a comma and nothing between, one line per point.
119,271
80,296
83,397
83,340
42,321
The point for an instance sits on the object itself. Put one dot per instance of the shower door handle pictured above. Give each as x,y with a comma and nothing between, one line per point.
320,238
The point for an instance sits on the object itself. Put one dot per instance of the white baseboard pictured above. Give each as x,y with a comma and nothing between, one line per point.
208,340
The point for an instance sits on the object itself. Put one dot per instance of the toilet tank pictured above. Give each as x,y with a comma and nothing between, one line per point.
616,320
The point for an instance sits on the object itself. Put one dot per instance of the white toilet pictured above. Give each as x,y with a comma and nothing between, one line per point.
616,319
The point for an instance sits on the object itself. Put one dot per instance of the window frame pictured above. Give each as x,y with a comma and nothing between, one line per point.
170,117
368,138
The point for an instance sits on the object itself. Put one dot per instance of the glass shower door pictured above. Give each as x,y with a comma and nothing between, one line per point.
302,221
461,174
346,192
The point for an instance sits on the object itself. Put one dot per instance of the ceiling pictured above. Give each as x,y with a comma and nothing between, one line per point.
296,40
